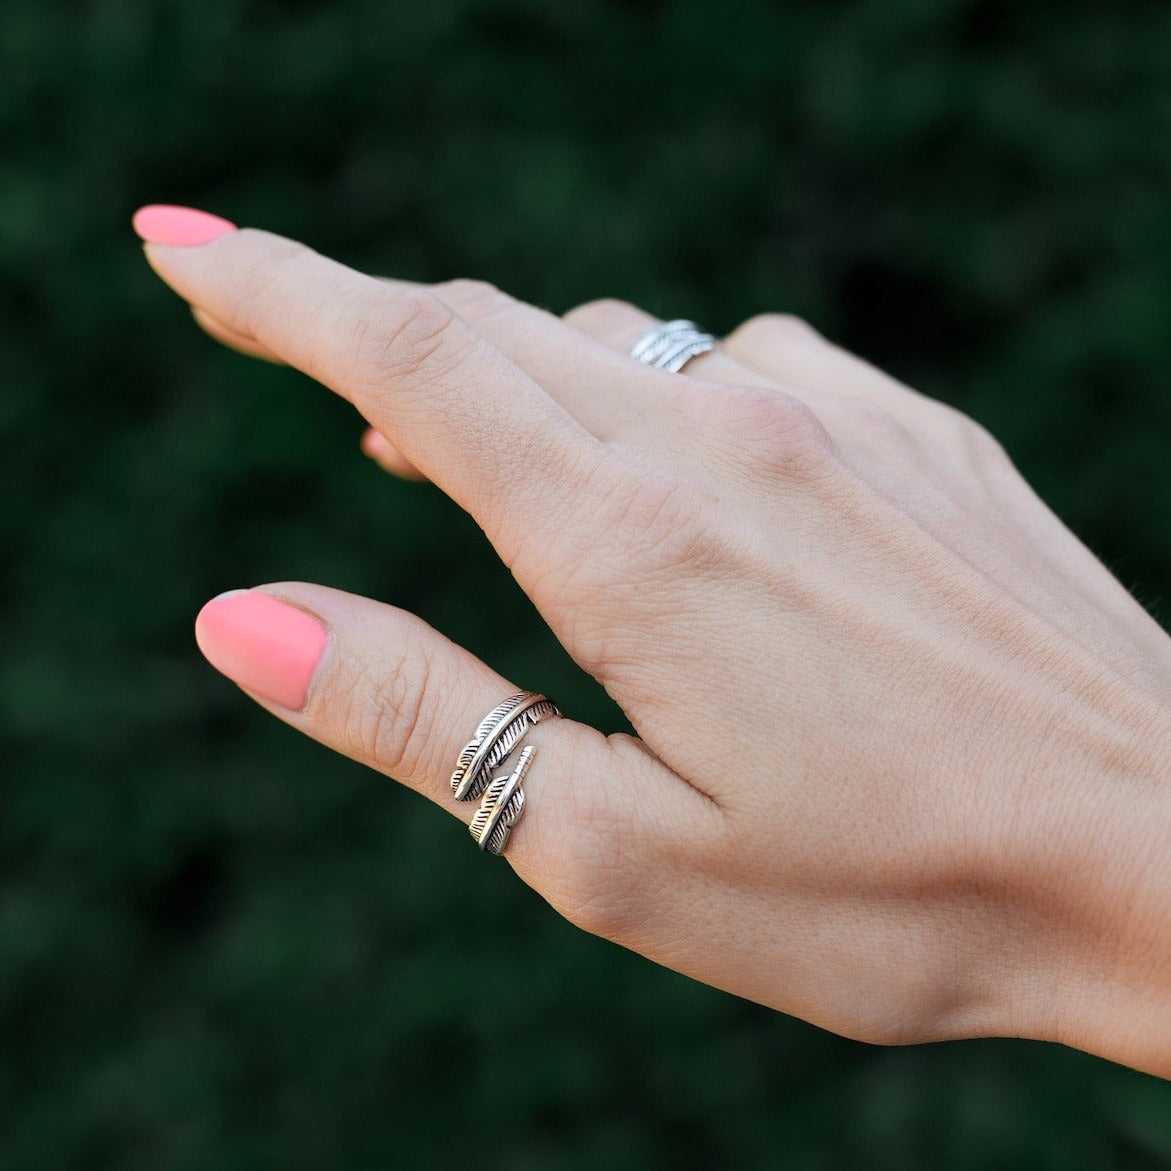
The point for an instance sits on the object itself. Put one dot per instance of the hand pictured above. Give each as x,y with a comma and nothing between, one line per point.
901,764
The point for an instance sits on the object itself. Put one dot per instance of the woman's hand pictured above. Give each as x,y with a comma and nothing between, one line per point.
901,766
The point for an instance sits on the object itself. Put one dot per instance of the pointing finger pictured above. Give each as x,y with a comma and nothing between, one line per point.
374,444
229,337
454,406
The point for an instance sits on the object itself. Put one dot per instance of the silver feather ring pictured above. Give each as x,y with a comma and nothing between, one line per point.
497,737
670,345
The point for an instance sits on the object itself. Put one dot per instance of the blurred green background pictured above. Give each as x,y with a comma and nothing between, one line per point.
222,946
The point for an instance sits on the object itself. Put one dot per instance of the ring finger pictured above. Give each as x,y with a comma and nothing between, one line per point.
771,350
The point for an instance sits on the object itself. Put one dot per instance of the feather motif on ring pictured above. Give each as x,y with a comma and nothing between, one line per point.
503,803
498,734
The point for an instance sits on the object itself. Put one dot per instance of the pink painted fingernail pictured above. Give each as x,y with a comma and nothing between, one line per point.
160,223
264,645
375,444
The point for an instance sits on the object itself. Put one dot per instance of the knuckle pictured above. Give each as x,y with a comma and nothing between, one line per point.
949,428
382,717
594,875
473,299
866,424
399,336
607,317
772,329
982,445
779,433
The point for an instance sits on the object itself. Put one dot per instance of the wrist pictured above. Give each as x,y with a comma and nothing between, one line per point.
1095,872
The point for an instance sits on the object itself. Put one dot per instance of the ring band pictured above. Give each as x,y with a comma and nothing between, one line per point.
497,737
670,345
504,802
498,734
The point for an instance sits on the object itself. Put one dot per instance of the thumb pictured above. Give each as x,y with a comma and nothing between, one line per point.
384,688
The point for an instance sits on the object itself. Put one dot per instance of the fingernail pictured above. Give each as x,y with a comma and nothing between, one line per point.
160,223
374,443
264,645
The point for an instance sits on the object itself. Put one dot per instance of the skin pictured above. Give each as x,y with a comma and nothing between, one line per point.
902,755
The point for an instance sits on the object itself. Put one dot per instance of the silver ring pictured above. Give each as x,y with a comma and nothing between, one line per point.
504,802
497,737
670,345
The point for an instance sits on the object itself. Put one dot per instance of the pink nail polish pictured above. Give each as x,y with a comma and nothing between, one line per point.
159,223
374,443
264,645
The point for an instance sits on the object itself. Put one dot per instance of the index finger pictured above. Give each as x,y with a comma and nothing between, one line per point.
454,405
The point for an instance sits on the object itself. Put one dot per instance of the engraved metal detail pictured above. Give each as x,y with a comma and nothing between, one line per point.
499,733
670,345
503,803
496,739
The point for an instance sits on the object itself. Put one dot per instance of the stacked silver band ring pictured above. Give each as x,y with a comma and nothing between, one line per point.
502,796
670,345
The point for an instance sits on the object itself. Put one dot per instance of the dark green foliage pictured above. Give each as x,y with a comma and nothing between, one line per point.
222,947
